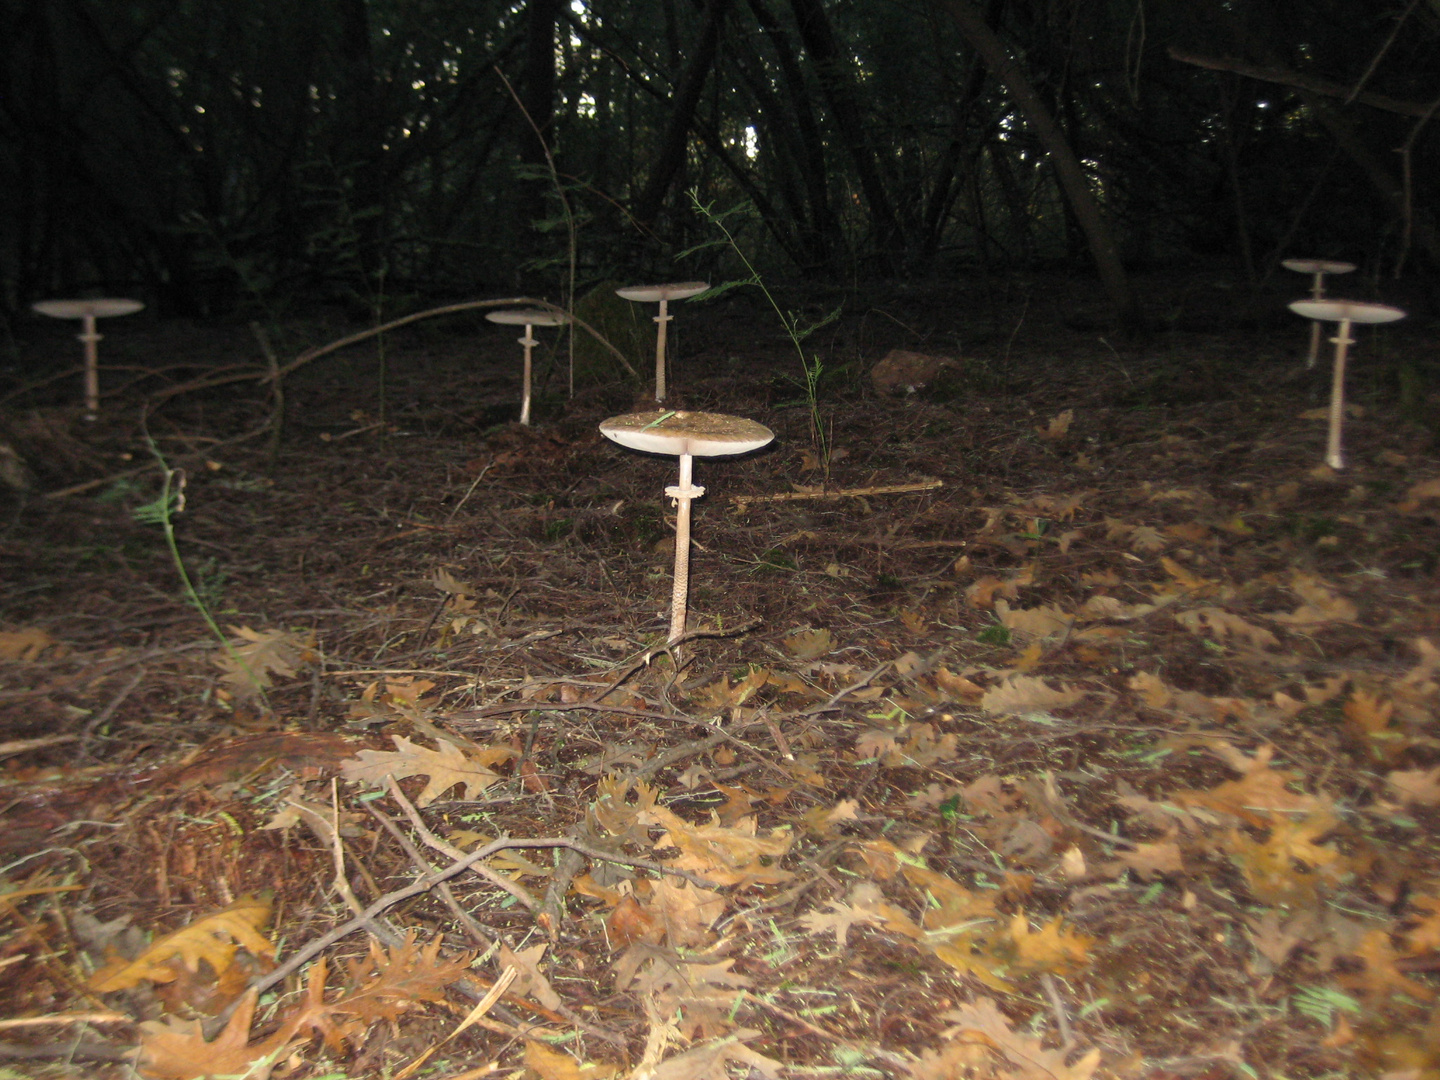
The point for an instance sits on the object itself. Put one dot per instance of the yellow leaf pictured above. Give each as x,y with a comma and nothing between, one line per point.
212,939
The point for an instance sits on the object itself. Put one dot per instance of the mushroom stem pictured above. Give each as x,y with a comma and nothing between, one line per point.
529,341
661,320
683,493
1317,292
90,337
1342,341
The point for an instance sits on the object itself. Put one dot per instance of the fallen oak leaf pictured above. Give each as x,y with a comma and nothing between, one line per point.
838,920
709,1060
1419,787
251,657
212,939
1026,693
179,1051
446,767
1224,624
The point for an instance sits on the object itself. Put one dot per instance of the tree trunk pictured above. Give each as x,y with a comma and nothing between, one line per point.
833,70
537,98
824,237
671,154
1073,181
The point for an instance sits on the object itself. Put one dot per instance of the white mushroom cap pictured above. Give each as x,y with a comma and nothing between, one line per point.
699,434
651,294
1318,266
81,309
1356,311
528,317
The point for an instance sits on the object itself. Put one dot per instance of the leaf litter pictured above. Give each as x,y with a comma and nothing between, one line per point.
1113,754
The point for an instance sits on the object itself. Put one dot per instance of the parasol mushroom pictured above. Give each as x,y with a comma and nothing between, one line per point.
689,435
1318,267
88,311
1344,312
528,318
663,294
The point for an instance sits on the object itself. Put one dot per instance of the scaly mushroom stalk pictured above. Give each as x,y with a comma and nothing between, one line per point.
1319,268
687,435
1345,313
650,294
683,493
528,318
87,311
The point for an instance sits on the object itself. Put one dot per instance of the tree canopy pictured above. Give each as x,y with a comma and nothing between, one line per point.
212,154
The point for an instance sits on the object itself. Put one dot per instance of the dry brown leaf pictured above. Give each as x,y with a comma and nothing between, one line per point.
809,644
1054,947
551,1064
177,1050
1058,427
1223,624
1418,493
392,980
838,920
1025,693
446,767
1381,977
983,1022
685,911
251,657
25,645
956,686
212,939
822,820
1149,861
1418,787
1322,605
734,855
531,981
1192,584
1275,941
1040,622
710,1060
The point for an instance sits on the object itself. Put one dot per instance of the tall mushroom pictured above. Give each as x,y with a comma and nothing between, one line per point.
528,318
1344,312
1319,268
663,294
690,435
88,311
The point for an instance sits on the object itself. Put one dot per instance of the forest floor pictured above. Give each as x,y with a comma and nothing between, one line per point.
1109,747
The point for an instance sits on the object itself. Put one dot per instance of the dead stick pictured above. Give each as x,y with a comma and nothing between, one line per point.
463,917
433,841
743,501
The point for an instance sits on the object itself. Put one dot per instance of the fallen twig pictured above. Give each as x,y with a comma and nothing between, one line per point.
743,501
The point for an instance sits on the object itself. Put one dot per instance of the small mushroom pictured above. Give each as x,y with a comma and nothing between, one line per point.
690,435
1318,267
88,311
650,294
1344,312
528,318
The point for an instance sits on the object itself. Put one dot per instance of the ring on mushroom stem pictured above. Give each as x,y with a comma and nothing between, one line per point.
688,435
88,311
528,318
650,294
1344,312
1318,267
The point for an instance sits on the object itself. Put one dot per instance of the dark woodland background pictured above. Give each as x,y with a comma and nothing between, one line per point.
211,157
